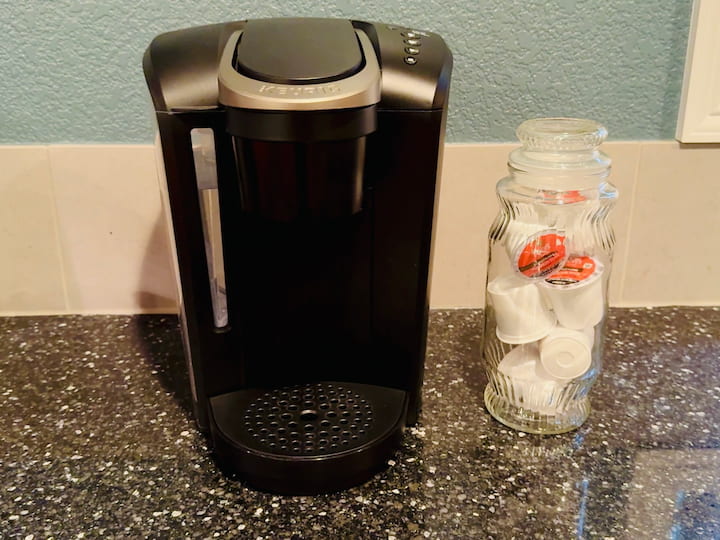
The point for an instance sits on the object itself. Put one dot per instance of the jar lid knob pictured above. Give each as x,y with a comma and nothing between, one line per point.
560,134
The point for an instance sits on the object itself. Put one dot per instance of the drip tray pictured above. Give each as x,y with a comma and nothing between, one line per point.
310,438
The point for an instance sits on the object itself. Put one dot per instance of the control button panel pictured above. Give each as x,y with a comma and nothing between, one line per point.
411,41
416,68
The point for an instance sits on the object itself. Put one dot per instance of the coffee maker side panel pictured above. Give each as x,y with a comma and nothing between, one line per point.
207,345
405,156
403,165
181,72
165,198
181,67
416,67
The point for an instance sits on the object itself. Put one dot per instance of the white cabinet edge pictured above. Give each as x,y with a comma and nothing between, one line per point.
699,114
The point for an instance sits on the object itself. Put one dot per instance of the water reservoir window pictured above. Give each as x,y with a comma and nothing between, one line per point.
203,145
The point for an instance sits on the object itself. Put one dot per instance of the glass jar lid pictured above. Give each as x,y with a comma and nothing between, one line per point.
560,144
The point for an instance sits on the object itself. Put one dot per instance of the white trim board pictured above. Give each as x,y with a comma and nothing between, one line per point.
699,113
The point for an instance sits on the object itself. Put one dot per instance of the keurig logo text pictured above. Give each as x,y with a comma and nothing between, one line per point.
300,91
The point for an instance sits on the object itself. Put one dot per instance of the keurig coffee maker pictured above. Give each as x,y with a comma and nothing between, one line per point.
301,158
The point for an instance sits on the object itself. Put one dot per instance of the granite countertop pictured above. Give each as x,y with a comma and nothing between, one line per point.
97,440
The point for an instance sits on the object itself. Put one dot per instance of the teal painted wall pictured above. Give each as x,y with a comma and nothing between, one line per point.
70,70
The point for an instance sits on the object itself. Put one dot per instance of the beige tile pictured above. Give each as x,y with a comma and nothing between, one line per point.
625,158
31,274
466,209
112,230
674,247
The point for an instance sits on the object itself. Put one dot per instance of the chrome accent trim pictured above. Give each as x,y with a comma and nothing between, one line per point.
359,90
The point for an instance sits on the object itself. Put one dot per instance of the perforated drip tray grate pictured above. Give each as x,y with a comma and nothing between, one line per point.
309,419
309,438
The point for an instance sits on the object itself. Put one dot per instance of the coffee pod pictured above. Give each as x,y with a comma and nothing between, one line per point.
521,361
521,315
536,254
573,215
530,386
581,241
566,354
517,235
576,293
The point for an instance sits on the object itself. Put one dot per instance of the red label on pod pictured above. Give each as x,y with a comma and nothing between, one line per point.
542,254
575,270
563,197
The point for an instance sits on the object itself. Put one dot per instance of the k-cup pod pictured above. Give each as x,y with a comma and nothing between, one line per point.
590,333
521,315
566,354
572,213
530,386
581,240
521,361
517,235
576,293
555,198
540,254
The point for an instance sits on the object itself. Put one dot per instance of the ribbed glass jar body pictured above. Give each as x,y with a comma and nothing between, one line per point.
550,258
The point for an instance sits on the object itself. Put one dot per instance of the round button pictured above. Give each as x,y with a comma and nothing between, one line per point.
412,50
410,60
413,42
410,35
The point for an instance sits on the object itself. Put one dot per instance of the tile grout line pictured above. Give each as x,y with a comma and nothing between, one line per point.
56,223
631,217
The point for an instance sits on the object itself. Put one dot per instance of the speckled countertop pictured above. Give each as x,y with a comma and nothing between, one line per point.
96,440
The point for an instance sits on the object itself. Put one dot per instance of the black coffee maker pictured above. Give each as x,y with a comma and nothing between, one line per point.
301,158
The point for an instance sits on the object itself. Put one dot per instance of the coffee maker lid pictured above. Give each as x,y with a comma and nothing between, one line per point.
298,65
298,51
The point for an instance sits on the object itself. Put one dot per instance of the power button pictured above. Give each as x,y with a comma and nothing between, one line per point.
410,60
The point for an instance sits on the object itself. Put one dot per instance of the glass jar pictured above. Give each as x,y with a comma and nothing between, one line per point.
549,263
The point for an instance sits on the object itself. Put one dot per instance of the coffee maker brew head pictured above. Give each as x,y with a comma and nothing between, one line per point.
301,97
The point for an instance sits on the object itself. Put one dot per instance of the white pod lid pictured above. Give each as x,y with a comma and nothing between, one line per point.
566,354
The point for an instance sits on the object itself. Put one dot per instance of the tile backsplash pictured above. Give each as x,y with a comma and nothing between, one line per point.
31,276
83,229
